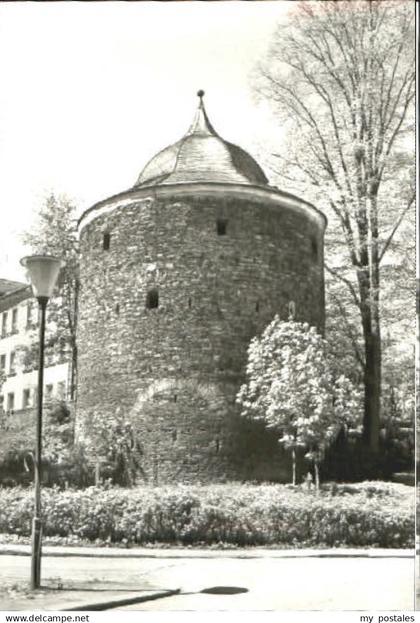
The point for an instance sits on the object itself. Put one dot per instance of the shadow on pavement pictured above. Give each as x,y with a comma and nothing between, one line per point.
224,590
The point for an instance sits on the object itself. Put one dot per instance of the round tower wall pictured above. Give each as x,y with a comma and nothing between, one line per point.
173,288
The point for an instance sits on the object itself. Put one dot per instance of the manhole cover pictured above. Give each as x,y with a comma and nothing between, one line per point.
224,590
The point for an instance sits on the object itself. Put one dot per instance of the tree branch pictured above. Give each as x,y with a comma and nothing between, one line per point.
350,331
395,228
348,283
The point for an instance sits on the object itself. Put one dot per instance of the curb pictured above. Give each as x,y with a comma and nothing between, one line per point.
123,601
51,551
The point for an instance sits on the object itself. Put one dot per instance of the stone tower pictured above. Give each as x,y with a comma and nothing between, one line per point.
177,275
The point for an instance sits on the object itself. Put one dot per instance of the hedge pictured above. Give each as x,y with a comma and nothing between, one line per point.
370,514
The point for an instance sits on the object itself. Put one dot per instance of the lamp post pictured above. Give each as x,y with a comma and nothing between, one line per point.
42,272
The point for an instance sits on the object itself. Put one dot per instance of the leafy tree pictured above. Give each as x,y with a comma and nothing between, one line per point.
58,431
340,78
55,233
293,387
111,445
17,443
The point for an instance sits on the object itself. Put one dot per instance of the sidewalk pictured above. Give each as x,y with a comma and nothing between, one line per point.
80,599
74,581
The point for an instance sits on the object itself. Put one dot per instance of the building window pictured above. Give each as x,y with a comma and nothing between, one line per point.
14,320
12,364
257,306
48,391
221,225
152,300
29,312
26,400
61,390
10,401
2,363
106,241
1,402
4,324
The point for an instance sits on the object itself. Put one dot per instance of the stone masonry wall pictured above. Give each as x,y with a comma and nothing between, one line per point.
222,267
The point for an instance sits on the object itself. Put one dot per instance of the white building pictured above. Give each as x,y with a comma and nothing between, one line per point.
18,328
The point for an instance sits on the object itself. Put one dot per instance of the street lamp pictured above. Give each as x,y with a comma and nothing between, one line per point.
42,272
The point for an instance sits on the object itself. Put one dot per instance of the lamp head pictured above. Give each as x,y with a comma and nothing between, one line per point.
42,272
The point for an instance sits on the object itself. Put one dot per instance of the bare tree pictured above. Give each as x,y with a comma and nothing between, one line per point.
341,79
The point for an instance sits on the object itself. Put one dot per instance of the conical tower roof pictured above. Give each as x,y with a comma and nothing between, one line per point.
201,156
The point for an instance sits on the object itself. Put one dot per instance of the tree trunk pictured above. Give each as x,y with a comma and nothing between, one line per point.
97,473
368,278
316,465
73,372
372,383
294,467
73,363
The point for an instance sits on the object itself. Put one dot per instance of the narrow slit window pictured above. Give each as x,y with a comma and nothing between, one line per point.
117,309
314,247
152,300
257,306
221,226
106,241
292,310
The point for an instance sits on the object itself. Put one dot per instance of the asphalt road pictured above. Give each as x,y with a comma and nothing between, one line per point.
271,583
290,584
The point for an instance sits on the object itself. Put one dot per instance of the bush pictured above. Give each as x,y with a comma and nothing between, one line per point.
17,444
371,514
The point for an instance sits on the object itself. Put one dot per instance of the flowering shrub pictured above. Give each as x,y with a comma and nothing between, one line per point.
371,514
294,387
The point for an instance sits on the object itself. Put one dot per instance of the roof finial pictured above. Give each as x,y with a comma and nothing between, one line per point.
201,124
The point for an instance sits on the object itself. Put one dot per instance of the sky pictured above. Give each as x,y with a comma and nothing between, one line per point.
91,91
